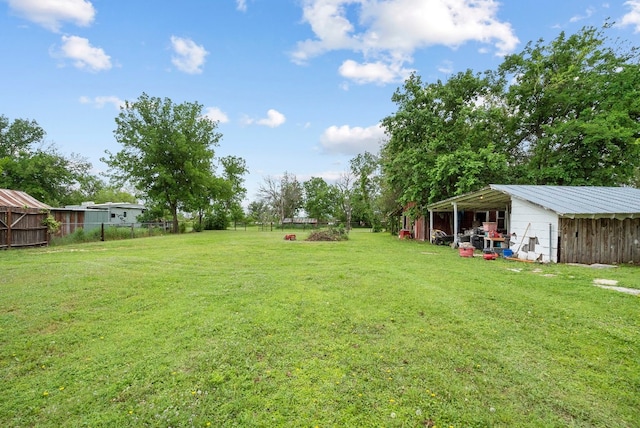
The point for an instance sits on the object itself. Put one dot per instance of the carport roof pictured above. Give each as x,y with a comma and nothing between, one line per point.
566,201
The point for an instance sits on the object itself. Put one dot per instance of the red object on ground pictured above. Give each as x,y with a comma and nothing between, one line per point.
405,234
290,237
465,252
489,254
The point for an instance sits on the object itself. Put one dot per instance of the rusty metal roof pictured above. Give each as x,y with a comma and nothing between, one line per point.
17,198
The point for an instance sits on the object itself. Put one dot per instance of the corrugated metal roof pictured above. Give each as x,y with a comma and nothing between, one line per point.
17,198
566,201
579,201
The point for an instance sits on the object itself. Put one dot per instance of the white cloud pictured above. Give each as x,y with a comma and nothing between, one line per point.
52,13
241,5
373,72
389,32
101,101
330,25
352,141
588,13
189,57
445,67
273,120
633,16
215,114
84,56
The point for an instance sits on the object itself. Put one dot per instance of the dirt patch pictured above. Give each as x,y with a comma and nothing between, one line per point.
611,284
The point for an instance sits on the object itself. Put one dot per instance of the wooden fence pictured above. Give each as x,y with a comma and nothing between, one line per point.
22,227
605,240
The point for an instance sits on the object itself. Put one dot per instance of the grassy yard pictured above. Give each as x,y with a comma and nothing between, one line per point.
243,328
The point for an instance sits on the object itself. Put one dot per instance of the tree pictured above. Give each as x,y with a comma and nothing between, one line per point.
234,168
284,196
258,211
19,136
28,164
320,198
167,152
345,186
566,113
575,106
445,139
365,169
92,188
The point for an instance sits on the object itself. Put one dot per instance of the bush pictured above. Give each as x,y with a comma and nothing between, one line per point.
216,221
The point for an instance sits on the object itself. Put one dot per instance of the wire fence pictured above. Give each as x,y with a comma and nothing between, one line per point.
87,232
69,233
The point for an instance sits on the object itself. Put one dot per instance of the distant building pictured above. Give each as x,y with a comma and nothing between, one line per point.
118,213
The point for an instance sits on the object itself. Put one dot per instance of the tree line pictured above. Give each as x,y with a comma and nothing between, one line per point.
351,199
564,113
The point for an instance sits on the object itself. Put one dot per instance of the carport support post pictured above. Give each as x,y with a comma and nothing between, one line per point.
431,226
455,223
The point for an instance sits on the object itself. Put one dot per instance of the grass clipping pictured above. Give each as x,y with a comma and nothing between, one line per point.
328,235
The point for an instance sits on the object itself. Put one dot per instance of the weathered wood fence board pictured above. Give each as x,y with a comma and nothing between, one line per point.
22,227
69,221
604,240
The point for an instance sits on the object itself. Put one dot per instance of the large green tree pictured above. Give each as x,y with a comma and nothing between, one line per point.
445,138
234,169
365,167
29,164
565,113
320,199
574,105
167,152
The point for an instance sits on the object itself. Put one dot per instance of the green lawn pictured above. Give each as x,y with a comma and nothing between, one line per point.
243,328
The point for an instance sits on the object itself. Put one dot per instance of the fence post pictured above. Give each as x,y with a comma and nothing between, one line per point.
102,232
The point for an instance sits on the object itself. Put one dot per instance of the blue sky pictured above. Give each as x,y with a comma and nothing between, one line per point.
297,85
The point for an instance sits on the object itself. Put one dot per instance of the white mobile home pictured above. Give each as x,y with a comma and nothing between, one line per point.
118,213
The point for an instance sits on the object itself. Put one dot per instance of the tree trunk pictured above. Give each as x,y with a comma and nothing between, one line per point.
174,213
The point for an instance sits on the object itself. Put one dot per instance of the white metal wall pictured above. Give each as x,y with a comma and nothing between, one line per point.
120,217
538,223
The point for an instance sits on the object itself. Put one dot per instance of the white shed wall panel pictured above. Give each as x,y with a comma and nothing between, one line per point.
536,222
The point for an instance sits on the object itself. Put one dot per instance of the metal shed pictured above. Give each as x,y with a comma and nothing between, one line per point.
22,220
569,224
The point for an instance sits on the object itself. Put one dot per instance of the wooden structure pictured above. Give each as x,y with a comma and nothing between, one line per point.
22,220
78,217
566,224
602,240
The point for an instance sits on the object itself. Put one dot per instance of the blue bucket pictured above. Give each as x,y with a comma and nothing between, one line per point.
507,252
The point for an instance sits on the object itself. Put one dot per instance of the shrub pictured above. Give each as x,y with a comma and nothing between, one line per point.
217,220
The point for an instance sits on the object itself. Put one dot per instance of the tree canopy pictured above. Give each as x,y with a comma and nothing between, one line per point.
167,152
29,164
565,113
